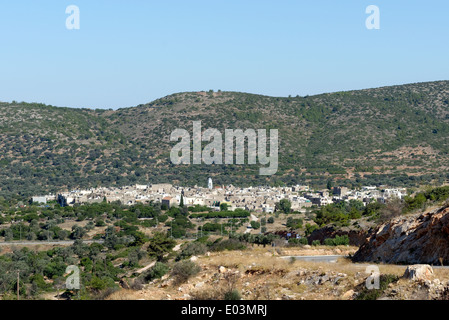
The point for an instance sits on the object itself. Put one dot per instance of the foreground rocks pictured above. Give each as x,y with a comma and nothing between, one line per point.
419,272
414,239
257,275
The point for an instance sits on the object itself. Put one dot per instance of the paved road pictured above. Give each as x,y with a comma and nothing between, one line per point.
327,258
334,258
35,243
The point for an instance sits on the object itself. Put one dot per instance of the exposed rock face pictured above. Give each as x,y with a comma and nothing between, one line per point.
415,239
356,238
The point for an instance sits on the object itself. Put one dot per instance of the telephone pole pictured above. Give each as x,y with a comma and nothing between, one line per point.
18,284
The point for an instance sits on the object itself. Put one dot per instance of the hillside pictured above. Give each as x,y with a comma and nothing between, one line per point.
392,135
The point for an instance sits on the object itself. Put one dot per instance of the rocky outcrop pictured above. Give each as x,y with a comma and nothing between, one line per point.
356,237
419,272
415,239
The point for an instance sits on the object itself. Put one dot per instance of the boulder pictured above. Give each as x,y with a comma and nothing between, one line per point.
348,295
222,269
419,272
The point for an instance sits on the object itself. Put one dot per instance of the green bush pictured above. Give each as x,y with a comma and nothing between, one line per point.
374,294
159,245
237,213
255,225
98,284
232,295
162,218
337,241
316,243
192,249
229,244
183,270
157,271
294,223
310,228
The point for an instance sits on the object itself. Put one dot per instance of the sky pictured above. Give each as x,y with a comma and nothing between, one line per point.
127,53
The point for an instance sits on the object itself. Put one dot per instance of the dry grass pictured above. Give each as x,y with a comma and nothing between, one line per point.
125,294
261,274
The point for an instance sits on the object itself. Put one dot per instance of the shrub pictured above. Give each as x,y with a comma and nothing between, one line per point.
238,213
159,245
183,270
157,271
294,223
255,225
270,220
98,284
310,228
100,223
316,243
337,241
232,295
192,249
210,227
137,284
162,218
229,244
303,241
374,294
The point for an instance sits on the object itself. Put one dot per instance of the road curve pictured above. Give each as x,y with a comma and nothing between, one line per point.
35,243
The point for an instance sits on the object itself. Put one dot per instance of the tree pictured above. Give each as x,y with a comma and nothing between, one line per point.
159,245
255,224
284,206
181,203
111,239
78,232
223,207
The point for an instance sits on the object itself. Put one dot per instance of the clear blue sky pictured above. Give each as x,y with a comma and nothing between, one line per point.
135,51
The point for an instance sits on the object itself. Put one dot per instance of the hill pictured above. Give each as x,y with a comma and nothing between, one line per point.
392,135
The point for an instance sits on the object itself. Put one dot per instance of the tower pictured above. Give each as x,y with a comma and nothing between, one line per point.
209,184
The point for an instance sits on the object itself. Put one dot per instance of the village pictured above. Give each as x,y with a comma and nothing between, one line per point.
255,199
